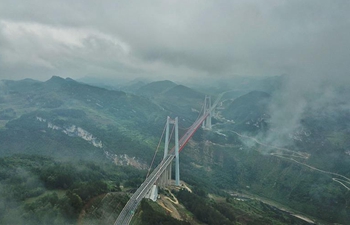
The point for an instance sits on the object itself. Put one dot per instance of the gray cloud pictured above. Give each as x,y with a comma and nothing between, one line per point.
173,39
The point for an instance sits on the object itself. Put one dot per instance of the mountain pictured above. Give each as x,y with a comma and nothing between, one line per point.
155,88
66,111
66,144
178,100
249,112
37,117
275,146
133,86
181,91
107,83
182,101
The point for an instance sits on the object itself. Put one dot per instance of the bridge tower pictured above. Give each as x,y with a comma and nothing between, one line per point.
207,110
166,176
177,154
166,145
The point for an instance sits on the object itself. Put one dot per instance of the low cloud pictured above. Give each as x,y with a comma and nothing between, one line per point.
173,39
59,49
313,95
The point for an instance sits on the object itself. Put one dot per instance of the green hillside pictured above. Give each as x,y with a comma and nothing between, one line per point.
178,100
249,112
49,129
33,112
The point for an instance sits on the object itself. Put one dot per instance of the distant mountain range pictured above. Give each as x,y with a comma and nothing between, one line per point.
36,112
39,110
249,111
155,88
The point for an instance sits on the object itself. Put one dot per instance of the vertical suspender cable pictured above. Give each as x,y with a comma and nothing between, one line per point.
154,156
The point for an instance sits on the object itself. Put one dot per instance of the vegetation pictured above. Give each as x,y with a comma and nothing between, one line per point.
152,216
41,190
48,176
233,210
247,171
249,111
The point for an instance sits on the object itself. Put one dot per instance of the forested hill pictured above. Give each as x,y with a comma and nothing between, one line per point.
68,144
249,111
58,116
42,117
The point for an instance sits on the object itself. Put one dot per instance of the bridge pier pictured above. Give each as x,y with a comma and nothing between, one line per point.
165,179
152,193
169,170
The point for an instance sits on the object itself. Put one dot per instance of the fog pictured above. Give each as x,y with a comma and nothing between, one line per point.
313,95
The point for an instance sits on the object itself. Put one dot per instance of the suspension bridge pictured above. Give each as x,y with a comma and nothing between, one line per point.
161,175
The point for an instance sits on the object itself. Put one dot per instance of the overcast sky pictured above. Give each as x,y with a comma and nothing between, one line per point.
172,39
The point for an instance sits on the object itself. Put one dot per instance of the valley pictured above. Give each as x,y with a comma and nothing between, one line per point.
79,151
174,112
291,155
278,206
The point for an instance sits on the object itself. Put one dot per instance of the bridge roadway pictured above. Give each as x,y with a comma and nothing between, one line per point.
129,209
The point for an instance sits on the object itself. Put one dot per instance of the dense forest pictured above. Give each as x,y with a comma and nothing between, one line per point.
41,190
